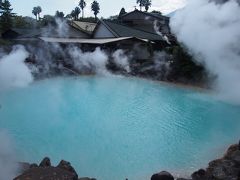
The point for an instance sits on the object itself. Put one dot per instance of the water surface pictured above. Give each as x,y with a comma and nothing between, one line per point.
112,128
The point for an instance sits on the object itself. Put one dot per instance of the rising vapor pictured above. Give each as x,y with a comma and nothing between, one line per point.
13,71
211,32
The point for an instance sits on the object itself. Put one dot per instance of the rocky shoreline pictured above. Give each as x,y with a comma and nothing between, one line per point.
225,168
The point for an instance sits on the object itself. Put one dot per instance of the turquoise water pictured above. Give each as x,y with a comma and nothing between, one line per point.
112,128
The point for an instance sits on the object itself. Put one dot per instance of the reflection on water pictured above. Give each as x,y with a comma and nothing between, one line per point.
113,128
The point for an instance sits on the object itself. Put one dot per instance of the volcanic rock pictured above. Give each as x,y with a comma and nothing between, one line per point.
67,166
45,162
199,175
164,175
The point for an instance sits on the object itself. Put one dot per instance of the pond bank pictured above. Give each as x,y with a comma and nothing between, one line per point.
225,168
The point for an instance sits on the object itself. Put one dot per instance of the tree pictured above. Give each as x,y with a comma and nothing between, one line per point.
75,13
39,10
95,8
35,12
59,14
122,12
6,15
147,4
82,5
141,3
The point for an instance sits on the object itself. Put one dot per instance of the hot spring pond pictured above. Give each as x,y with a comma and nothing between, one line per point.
112,128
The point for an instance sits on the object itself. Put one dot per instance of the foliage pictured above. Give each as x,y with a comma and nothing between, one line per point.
113,18
88,19
184,67
75,13
36,12
147,4
122,12
144,3
95,8
39,10
59,14
47,20
6,15
156,12
82,5
24,22
141,4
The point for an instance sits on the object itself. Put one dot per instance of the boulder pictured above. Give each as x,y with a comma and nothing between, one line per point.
46,173
199,175
45,162
67,166
34,165
23,166
164,175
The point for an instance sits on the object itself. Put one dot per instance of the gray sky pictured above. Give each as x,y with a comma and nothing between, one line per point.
108,7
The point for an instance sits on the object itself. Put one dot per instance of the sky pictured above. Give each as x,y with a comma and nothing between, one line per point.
107,7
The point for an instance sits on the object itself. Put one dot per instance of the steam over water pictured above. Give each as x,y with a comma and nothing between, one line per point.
113,128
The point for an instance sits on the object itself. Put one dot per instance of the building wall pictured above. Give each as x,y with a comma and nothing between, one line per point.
142,21
103,32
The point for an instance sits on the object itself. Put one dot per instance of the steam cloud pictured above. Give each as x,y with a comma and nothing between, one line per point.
121,59
13,70
95,61
211,31
8,162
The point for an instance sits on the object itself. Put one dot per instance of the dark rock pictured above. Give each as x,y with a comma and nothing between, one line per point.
23,166
45,162
67,166
199,175
33,165
46,173
164,175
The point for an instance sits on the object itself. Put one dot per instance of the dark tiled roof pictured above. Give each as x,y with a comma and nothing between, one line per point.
71,32
155,15
124,31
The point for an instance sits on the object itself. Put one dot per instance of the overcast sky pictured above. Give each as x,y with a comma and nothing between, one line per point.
108,7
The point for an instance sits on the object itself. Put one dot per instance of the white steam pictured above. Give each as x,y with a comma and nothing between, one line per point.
95,61
13,71
62,27
211,31
121,59
8,162
156,27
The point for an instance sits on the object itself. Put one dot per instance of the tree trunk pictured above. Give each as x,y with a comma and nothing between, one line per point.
82,13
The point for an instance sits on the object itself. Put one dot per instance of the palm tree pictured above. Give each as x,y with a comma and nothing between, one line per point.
82,5
39,10
73,14
141,3
147,4
35,12
77,11
59,14
95,8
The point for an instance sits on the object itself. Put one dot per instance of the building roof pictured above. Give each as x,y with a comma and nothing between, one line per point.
120,30
69,32
88,41
155,15
84,26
